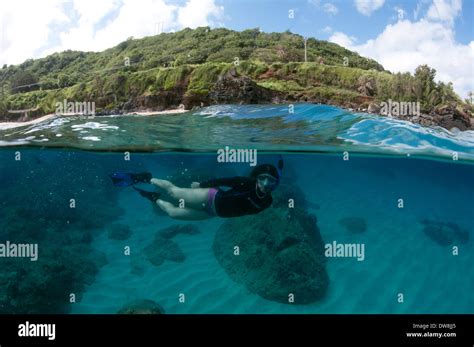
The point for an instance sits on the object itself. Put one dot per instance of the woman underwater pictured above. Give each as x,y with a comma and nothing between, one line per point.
207,199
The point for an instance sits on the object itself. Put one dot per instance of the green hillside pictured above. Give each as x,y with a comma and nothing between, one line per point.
204,66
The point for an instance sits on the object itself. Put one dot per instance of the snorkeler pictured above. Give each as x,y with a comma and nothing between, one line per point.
244,196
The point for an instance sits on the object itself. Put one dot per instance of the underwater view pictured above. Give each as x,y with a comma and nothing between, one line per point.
204,167
370,215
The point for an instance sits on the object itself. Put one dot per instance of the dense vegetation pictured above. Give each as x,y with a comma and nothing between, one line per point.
191,61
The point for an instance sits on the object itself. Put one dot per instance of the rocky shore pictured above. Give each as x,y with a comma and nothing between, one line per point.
447,116
232,88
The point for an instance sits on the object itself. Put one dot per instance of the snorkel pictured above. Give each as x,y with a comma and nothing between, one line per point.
268,176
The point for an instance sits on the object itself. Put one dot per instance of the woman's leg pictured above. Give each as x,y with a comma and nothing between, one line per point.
181,213
195,198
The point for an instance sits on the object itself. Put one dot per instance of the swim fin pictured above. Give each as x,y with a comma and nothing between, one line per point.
123,179
152,196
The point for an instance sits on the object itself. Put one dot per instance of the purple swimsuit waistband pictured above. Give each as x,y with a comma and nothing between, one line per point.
210,206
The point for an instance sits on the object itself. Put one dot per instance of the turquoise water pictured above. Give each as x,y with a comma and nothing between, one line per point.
307,128
408,250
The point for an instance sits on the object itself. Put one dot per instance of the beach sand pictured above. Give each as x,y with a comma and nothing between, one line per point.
154,113
399,257
10,125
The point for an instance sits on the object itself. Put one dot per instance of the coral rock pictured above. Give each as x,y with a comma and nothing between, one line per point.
445,234
280,253
142,307
354,225
172,231
162,249
119,232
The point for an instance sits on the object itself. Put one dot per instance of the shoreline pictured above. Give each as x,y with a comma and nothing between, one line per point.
8,125
16,124
156,113
426,120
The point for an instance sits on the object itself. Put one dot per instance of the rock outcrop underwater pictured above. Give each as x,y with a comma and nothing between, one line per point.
162,248
119,232
277,254
444,233
66,261
354,225
172,231
142,306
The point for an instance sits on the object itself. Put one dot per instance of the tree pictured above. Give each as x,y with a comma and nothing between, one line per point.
424,82
3,109
125,44
64,80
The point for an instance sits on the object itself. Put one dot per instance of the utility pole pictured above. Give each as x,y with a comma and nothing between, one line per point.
159,28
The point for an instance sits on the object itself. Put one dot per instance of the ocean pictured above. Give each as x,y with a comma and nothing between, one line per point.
400,193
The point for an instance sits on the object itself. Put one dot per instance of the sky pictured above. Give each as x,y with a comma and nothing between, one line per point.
400,34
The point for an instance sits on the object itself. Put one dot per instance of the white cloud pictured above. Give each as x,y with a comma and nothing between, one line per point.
197,12
327,29
405,45
327,7
444,10
134,18
25,27
342,39
92,11
419,7
92,25
316,3
366,7
330,8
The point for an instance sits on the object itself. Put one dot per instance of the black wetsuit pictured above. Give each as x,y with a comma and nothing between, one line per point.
241,199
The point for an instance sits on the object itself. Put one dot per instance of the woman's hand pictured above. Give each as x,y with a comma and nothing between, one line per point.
195,185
